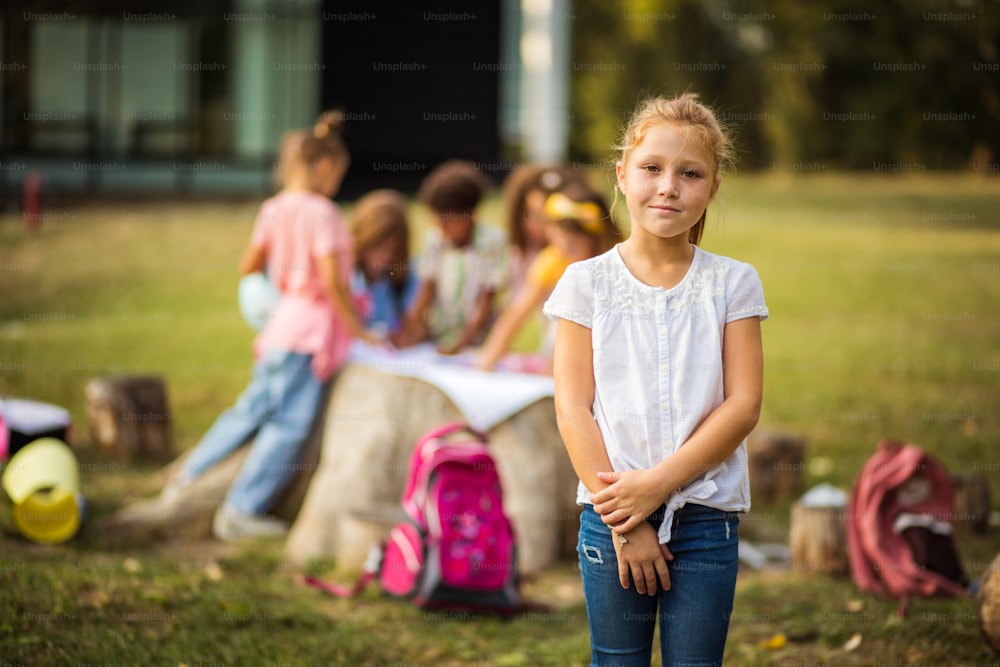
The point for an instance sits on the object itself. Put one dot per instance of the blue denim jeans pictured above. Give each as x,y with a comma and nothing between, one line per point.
694,614
277,410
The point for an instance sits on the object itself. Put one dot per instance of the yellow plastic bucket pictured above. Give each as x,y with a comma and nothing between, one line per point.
43,481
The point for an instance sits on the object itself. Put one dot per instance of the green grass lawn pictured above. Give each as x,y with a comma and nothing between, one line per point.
884,296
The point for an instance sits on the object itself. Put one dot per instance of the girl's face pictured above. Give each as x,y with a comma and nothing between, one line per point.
534,219
378,259
668,181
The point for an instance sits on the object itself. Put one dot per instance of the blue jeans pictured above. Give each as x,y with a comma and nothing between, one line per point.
694,614
277,410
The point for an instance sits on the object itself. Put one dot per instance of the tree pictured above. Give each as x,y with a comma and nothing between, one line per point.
831,84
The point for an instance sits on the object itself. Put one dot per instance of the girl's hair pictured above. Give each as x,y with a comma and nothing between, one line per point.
455,186
580,209
306,147
529,178
377,216
695,116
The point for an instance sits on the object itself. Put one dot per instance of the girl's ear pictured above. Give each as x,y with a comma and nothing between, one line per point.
620,175
715,188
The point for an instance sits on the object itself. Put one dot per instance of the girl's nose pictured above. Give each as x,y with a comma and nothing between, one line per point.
668,185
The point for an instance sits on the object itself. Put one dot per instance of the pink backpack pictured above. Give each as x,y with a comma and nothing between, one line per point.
456,550
899,526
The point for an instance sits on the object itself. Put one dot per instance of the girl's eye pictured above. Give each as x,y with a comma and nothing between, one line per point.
691,173
651,168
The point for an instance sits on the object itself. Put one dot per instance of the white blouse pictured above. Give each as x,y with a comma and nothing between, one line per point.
658,363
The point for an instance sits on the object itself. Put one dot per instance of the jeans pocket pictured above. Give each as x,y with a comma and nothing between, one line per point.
595,549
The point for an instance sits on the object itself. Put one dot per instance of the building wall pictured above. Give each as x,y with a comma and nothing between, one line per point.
193,96
187,97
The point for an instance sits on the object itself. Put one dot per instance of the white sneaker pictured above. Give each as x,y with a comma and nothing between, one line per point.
229,525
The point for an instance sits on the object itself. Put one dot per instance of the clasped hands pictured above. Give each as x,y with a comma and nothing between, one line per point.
630,497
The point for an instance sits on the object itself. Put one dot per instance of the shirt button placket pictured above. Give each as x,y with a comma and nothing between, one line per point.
663,376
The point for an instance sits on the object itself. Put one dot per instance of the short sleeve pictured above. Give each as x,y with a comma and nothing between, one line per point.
431,258
573,297
412,286
343,240
744,294
330,234
261,235
547,268
494,257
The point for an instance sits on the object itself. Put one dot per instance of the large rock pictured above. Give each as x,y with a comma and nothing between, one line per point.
374,419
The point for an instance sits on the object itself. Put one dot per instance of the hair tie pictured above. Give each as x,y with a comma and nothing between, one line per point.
550,179
587,214
328,123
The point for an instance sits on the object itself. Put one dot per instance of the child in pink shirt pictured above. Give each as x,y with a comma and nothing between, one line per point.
303,244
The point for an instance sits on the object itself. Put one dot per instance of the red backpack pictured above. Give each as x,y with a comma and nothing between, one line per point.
456,549
899,532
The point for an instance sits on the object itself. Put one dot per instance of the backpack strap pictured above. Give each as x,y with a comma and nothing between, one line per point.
338,591
422,451
445,430
368,574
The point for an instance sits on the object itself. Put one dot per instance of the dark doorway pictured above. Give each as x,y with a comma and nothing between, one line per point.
418,84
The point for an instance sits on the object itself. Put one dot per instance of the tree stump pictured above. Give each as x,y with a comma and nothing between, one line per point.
818,539
988,605
129,417
972,502
373,421
776,461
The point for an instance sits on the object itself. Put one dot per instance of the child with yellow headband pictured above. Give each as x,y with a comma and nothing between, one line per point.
578,226
525,191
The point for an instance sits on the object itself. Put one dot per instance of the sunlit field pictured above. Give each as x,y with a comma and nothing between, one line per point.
884,294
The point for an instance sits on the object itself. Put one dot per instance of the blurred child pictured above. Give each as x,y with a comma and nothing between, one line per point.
577,225
525,190
301,241
463,266
384,277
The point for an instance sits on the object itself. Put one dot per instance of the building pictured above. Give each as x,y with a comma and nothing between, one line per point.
191,98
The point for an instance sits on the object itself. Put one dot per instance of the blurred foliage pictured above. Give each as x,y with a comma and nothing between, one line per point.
899,85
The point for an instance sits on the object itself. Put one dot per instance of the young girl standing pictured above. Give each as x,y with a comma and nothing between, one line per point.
658,375
305,248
